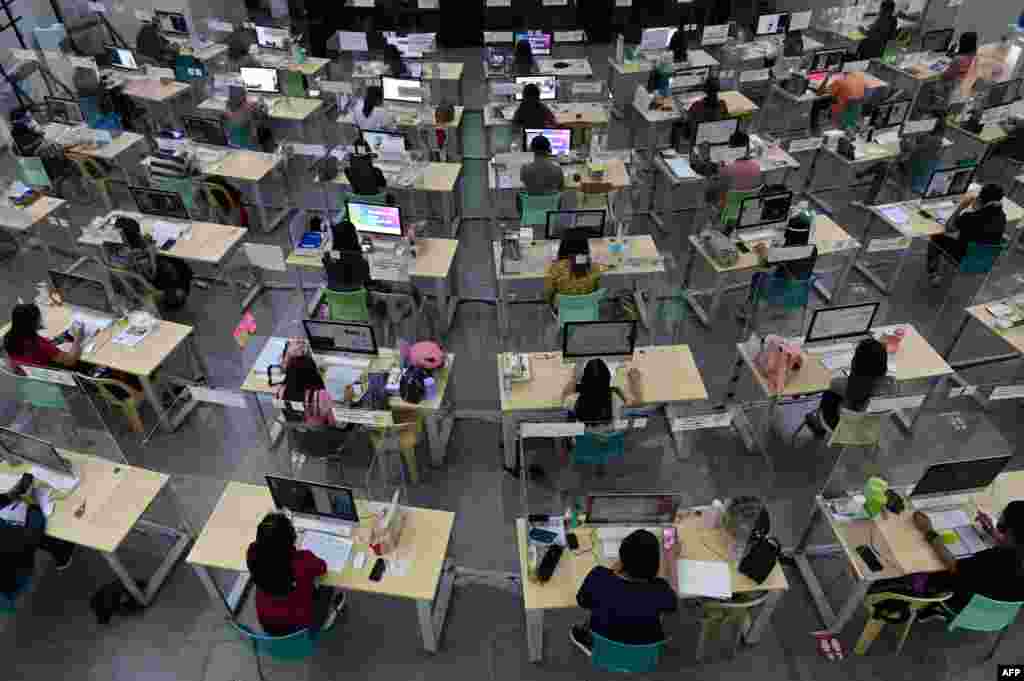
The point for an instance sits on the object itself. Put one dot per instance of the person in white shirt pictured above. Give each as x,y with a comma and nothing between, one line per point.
368,114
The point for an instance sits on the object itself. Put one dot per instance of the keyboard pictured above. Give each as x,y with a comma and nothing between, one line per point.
340,361
332,549
611,538
830,349
322,526
756,234
954,501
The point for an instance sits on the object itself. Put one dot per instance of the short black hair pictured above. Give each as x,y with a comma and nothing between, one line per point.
540,145
739,139
991,192
531,92
1012,520
640,554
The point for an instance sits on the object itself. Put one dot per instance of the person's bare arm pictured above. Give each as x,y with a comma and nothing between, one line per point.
569,389
922,523
634,387
70,359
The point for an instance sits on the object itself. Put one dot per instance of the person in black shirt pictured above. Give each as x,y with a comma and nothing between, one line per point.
349,271
524,62
980,219
626,603
882,32
18,543
364,177
533,113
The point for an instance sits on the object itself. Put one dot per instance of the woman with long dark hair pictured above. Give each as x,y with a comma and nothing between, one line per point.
595,401
368,114
288,598
869,368
24,345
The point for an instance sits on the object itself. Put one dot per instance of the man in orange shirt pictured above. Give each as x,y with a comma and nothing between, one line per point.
846,89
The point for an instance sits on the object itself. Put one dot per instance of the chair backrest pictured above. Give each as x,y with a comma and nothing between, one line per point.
599,448
985,614
580,308
240,133
347,306
620,657
297,646
851,114
9,602
32,172
783,291
181,185
980,258
535,207
36,393
105,388
292,83
857,428
733,198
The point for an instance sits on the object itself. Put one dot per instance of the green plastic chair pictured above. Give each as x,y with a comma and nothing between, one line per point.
534,208
985,614
781,291
40,394
9,602
347,306
293,83
179,185
290,648
851,116
981,258
619,657
599,448
582,308
240,135
733,198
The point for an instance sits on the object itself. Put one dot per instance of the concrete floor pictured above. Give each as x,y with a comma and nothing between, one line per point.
184,636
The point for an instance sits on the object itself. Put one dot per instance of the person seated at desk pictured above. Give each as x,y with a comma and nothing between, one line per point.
882,32
19,541
979,218
24,345
288,598
365,178
847,91
960,68
595,401
868,369
542,175
626,602
368,114
523,62
743,174
242,117
793,44
171,276
533,113
711,107
349,271
923,154
572,273
151,43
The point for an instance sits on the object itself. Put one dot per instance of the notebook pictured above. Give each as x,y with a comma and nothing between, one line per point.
712,579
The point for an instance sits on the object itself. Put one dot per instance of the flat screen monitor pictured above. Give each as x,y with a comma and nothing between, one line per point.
123,59
381,142
800,21
842,321
827,60
765,209
79,291
688,79
617,508
340,337
949,182
890,114
33,450
205,130
407,90
716,132
540,42
548,86
937,41
1006,92
590,222
377,220
657,38
581,340
260,79
272,38
561,140
313,498
959,477
160,203
67,111
174,23
773,24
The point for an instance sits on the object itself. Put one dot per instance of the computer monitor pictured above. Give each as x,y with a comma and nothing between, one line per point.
688,79
540,42
657,38
842,321
582,340
121,58
632,508
313,499
1006,92
764,209
800,21
272,38
548,86
827,60
949,182
382,142
171,22
325,336
79,291
205,130
773,24
937,41
890,114
32,450
160,203
67,111
376,220
260,79
716,132
590,222
413,67
960,477
407,90
561,140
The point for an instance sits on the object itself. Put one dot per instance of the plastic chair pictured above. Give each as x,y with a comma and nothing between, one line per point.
779,290
599,448
315,442
180,185
134,287
874,626
985,614
293,647
534,208
240,135
398,308
715,615
620,657
851,115
408,427
347,306
92,172
187,68
292,83
731,208
981,258
127,402
217,199
31,171
858,429
580,308
9,602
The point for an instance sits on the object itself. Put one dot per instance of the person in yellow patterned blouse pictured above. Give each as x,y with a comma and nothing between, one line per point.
572,273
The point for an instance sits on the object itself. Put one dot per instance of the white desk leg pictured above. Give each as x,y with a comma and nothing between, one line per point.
432,613
126,579
437,443
753,636
535,635
510,437
154,401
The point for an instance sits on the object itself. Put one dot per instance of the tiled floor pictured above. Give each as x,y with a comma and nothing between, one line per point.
184,636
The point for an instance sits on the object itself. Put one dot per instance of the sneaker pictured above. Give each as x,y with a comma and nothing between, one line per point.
337,605
66,563
580,637
814,424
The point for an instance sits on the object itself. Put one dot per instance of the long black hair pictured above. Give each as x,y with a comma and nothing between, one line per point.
1011,522
374,97
968,43
594,404
301,375
26,318
345,237
575,242
870,363
270,556
524,58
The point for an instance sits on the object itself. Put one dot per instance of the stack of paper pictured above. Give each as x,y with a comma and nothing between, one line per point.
711,579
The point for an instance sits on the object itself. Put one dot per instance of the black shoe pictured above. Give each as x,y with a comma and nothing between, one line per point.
815,426
66,563
580,637
933,613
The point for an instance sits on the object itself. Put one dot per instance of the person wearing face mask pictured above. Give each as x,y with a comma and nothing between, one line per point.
980,218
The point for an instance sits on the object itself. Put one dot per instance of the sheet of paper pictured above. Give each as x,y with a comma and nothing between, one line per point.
165,231
948,520
130,338
91,325
265,256
681,168
271,354
704,578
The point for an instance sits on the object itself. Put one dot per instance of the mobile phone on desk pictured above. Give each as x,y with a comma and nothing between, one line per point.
378,570
870,558
542,536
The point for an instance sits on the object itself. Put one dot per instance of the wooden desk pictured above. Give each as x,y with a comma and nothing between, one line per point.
154,89
738,105
210,243
424,542
449,76
453,142
293,109
696,543
578,67
251,168
115,497
624,77
670,378
500,131
1014,336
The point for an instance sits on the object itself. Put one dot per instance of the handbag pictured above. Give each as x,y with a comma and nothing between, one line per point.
760,559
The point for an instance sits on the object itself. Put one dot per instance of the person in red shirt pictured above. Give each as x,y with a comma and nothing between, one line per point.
24,345
288,598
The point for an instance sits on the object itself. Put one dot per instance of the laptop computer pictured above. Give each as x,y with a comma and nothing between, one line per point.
619,514
47,464
341,343
315,506
386,146
591,222
89,298
123,59
944,189
835,331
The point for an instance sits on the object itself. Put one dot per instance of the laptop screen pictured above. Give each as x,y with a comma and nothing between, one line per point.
844,321
953,477
402,90
311,498
773,24
548,86
561,140
258,79
540,42
937,41
631,509
890,114
271,38
340,337
827,60
949,182
159,203
121,58
81,291
765,209
372,219
205,130
598,339
716,132
381,142
589,221
67,111
171,22
33,450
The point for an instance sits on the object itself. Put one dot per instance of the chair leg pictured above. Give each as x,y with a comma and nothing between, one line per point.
792,443
906,630
872,629
409,456
995,645
737,637
131,412
702,638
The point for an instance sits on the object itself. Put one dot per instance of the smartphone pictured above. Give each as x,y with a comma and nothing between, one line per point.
168,245
870,558
378,570
542,536
572,541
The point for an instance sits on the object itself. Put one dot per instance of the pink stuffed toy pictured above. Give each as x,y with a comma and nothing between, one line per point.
777,359
426,355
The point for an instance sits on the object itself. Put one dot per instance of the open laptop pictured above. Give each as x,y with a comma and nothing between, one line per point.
835,331
66,111
540,41
341,343
619,514
560,139
944,189
172,23
887,118
269,38
122,58
773,24
762,216
937,41
828,61
386,146
203,130
320,509
591,222
612,342
399,93
260,80
686,80
716,132
47,464
89,298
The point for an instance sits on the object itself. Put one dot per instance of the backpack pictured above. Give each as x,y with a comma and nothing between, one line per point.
777,360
